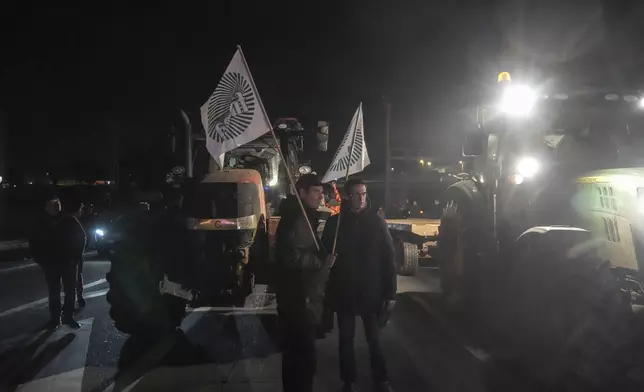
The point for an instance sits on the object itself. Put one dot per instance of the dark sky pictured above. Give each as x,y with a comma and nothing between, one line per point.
72,74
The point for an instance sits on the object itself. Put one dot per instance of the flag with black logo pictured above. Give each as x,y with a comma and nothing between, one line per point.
352,152
234,114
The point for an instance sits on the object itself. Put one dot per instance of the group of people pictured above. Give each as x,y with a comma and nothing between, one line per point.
350,273
57,243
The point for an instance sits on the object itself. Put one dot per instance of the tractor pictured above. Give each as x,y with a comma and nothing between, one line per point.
539,239
211,243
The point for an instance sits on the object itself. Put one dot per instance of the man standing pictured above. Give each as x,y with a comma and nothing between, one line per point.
50,251
76,239
302,272
363,281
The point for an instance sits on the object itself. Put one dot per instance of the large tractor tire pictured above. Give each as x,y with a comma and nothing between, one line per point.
137,306
570,321
458,251
406,258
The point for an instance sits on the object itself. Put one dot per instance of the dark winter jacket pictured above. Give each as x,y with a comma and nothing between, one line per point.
364,274
45,243
73,238
298,264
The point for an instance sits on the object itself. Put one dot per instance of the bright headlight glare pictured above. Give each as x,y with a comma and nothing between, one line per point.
527,167
518,100
100,232
516,179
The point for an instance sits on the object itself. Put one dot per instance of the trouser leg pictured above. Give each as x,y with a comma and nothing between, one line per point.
372,333
52,277
79,280
346,330
299,357
68,275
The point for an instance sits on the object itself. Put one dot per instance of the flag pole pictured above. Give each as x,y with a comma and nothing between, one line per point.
279,150
346,176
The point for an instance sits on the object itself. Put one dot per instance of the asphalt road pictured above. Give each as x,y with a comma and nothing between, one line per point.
226,349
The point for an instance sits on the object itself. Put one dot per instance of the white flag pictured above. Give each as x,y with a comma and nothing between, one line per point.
234,114
352,152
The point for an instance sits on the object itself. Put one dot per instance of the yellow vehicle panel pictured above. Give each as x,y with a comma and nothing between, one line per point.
419,226
607,201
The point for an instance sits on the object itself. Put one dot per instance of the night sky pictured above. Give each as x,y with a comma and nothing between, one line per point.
76,75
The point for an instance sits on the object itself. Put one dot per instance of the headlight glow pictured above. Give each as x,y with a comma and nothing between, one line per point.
518,100
516,179
527,167
99,232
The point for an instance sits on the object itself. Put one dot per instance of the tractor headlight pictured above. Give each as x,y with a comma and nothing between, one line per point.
518,100
100,232
527,167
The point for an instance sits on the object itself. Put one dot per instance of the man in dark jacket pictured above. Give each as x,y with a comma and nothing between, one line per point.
363,281
301,275
50,250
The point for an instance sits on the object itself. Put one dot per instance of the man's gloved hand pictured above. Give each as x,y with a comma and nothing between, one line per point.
389,305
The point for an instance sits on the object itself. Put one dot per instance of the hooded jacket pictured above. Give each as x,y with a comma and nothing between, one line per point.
298,263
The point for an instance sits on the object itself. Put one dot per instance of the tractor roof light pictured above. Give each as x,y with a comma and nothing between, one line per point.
504,77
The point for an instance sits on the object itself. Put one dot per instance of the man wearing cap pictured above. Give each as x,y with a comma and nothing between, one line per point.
49,249
301,275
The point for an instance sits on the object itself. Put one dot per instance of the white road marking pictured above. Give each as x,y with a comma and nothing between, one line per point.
478,353
44,300
18,267
31,264
230,309
65,371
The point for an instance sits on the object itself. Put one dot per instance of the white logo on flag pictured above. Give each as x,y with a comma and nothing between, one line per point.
233,115
352,153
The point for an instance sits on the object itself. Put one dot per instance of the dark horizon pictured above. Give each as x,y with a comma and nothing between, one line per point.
77,74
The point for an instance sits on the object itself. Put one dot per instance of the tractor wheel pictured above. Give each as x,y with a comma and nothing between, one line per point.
137,306
406,258
570,321
460,240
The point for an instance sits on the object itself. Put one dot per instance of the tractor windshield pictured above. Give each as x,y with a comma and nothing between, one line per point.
225,200
591,130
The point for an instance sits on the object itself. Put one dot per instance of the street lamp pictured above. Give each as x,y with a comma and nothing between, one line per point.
462,166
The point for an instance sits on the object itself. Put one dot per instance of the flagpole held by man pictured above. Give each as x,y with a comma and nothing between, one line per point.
350,158
234,115
231,118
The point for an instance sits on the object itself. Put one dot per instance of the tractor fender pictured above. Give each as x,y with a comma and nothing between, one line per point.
466,200
563,242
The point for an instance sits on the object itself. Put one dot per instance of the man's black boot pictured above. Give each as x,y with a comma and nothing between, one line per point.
70,322
349,387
